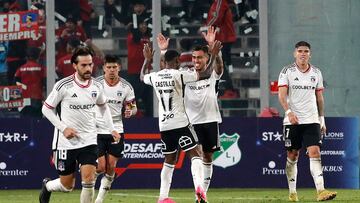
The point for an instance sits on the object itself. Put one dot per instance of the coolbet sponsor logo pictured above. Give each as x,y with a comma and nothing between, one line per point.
272,136
334,135
271,169
230,153
303,87
14,137
143,151
333,152
85,106
11,172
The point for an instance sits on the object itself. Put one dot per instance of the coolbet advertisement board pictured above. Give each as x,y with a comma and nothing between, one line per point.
253,155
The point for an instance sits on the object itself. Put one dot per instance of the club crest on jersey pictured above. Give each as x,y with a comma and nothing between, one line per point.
119,93
61,166
230,153
312,78
93,94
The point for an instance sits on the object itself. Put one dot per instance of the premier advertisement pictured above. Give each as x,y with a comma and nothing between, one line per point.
252,155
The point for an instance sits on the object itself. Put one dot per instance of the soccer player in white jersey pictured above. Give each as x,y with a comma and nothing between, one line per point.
119,94
202,107
174,125
301,96
70,107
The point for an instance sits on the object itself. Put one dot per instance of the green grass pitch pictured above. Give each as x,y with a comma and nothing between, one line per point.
182,196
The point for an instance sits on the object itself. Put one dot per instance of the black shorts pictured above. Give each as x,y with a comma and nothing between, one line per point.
106,145
208,134
184,137
66,161
304,134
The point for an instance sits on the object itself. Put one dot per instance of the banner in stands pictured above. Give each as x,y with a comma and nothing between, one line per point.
10,97
253,155
19,25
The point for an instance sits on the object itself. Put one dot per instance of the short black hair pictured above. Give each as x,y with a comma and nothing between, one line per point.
81,51
171,55
203,48
302,44
112,59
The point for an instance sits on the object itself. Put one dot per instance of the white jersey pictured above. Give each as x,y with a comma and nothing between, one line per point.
169,87
117,96
301,92
201,101
77,110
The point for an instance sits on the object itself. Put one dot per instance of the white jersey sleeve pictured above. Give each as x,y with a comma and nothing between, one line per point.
283,79
320,84
55,96
189,75
148,78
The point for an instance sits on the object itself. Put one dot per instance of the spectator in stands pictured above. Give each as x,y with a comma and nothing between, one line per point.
40,41
110,10
136,39
220,16
87,13
68,31
32,76
126,18
17,50
64,67
4,46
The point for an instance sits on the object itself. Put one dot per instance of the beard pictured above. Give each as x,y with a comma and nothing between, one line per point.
85,76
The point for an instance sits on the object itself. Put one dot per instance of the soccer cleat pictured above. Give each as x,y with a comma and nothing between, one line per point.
293,197
325,195
44,196
166,200
200,195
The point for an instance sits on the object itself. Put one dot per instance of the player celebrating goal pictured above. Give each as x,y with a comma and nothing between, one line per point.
75,137
119,94
300,94
174,125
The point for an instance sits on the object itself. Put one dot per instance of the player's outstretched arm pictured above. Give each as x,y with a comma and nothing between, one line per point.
163,42
148,55
210,35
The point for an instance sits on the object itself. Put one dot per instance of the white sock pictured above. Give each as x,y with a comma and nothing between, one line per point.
56,186
291,174
166,178
317,173
197,171
105,185
208,171
87,192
